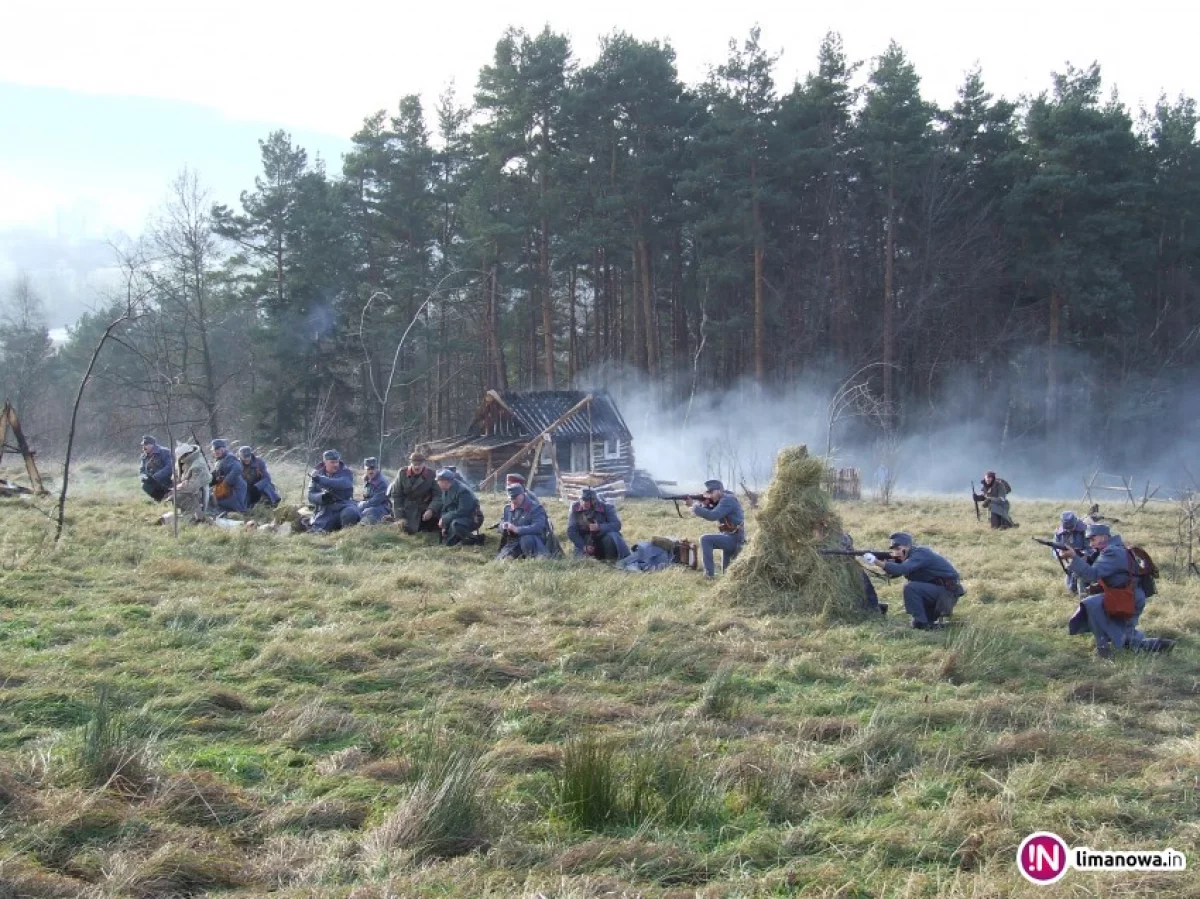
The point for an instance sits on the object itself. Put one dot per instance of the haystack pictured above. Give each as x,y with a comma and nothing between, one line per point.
780,570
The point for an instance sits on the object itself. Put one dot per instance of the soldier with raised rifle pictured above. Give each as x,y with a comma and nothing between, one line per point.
721,506
1112,612
594,528
1072,532
933,587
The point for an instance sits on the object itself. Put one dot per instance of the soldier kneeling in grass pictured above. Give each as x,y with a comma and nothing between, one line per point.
1122,581
524,529
456,510
933,586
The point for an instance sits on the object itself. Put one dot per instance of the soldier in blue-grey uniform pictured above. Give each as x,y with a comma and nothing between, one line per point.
375,505
227,479
524,528
156,469
723,508
933,586
455,509
1073,532
514,478
259,486
595,528
1112,569
330,492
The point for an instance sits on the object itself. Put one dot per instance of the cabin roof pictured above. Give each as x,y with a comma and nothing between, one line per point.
535,410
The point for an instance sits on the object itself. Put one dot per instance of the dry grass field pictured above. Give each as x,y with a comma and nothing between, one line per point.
367,715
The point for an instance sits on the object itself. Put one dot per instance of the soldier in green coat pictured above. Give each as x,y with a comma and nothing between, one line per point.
412,491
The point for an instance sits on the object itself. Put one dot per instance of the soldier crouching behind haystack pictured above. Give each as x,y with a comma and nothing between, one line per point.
595,529
933,587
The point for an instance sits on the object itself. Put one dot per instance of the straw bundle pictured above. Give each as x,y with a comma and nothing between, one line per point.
780,570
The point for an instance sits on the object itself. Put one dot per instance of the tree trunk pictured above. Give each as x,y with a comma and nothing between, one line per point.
1052,362
651,332
547,302
760,312
889,261
573,339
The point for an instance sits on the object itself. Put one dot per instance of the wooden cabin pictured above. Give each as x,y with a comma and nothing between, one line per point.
544,435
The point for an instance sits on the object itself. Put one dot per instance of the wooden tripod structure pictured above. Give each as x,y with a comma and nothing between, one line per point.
10,425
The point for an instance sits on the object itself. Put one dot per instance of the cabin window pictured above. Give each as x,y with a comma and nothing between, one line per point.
612,448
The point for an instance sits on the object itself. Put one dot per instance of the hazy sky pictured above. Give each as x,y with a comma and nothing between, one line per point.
101,103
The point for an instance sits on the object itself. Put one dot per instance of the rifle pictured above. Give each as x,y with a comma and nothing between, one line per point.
882,555
975,499
678,498
1058,547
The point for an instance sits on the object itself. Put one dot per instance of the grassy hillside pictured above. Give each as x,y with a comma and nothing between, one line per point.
367,715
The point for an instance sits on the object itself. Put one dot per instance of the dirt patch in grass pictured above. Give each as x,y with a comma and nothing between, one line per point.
392,771
198,798
469,670
330,814
828,730
181,871
663,863
1009,749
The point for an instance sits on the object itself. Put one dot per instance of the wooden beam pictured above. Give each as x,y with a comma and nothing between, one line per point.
10,422
533,466
542,435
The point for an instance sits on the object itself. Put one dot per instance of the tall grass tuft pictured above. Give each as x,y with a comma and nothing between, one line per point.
720,697
588,787
112,748
444,814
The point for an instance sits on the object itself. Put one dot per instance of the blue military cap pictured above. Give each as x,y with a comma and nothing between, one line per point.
1068,517
331,456
370,462
1097,529
219,444
445,475
245,452
147,440
515,489
900,538
587,494
714,484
